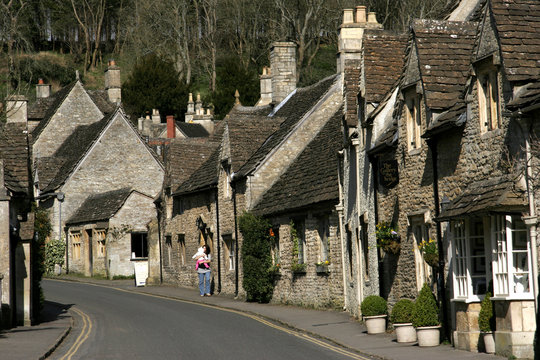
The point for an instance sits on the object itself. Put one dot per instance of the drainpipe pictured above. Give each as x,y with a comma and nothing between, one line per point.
218,242
235,240
441,289
374,170
360,261
339,209
530,220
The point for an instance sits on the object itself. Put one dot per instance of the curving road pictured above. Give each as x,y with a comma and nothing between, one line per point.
115,324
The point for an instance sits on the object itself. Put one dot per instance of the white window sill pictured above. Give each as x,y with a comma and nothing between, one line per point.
468,300
514,297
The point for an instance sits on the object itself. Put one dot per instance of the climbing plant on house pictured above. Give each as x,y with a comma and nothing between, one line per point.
42,229
256,257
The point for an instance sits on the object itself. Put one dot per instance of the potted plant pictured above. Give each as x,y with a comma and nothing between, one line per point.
486,323
401,317
426,318
374,310
430,251
387,238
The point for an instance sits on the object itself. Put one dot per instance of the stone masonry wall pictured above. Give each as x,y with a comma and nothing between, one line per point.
77,109
311,289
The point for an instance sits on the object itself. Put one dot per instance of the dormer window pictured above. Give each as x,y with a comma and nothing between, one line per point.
227,191
414,119
488,98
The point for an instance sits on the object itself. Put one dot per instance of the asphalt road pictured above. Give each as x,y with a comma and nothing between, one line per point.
114,324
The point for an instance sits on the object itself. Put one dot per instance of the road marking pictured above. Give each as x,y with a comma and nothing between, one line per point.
284,329
83,336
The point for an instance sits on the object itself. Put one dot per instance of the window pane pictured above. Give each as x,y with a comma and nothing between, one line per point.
520,256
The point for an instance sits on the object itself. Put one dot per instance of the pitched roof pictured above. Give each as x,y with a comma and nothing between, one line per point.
206,176
312,178
14,153
444,57
518,26
246,136
44,109
192,129
384,53
455,116
499,193
526,96
99,207
69,153
184,156
293,111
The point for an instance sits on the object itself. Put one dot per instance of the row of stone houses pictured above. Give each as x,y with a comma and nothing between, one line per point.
447,154
431,132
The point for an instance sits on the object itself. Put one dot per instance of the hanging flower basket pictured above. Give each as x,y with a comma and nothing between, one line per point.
387,238
430,251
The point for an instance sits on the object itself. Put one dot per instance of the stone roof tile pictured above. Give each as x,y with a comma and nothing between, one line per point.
312,178
14,152
100,207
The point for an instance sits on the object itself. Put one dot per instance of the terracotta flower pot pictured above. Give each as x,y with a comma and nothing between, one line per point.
489,342
428,335
375,324
405,333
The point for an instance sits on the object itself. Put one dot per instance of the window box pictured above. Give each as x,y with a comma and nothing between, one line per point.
322,268
298,268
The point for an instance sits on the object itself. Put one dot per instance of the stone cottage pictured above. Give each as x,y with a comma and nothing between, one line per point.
452,150
372,67
17,298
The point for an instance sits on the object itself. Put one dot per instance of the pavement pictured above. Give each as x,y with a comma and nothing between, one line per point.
37,342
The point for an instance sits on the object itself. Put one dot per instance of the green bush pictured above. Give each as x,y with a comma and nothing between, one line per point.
374,305
256,258
54,254
426,311
485,317
402,312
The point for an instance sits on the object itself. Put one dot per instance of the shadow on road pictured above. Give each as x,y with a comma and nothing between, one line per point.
53,311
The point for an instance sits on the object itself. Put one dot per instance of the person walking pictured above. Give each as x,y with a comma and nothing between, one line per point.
203,270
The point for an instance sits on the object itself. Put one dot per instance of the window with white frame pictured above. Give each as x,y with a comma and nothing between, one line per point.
420,233
230,247
300,233
276,258
324,235
470,244
414,119
488,98
511,258
168,246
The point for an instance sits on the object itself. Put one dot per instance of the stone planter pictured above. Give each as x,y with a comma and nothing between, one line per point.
375,324
405,333
489,342
428,335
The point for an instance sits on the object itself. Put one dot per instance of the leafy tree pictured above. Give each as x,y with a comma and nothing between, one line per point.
256,258
232,76
154,84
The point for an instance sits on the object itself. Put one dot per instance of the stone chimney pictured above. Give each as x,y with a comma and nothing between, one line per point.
198,104
171,128
16,109
190,109
351,32
156,117
42,90
266,87
283,70
113,85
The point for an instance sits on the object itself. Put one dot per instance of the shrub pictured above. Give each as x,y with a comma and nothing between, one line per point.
426,311
402,312
256,258
54,254
374,305
485,317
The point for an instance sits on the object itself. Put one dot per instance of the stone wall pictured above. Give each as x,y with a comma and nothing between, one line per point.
77,109
312,288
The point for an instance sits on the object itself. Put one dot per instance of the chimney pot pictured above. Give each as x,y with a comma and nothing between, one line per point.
40,81
361,14
372,18
348,16
112,62
190,98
